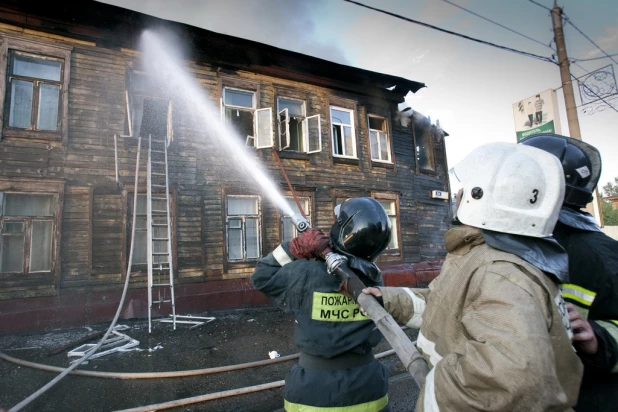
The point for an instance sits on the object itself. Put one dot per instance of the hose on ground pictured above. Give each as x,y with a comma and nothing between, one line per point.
160,375
223,394
204,398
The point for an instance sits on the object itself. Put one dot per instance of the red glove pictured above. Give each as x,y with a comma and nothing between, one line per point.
310,244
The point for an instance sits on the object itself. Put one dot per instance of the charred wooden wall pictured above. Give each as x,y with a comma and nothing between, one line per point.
93,212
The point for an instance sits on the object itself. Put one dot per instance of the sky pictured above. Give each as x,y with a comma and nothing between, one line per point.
470,87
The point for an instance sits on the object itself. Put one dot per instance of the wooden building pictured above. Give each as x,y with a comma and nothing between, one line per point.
71,79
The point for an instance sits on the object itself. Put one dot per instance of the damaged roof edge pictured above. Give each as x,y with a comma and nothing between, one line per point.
115,27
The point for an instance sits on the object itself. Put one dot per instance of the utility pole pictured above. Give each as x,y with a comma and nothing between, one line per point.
565,73
594,208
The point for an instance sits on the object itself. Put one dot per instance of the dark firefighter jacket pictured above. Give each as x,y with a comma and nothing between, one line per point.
330,330
593,289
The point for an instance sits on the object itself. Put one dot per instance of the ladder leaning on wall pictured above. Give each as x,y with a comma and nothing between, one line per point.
158,231
159,245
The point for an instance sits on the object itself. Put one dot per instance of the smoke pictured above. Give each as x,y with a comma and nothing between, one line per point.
286,24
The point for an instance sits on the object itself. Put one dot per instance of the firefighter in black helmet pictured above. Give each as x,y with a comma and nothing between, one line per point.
592,291
337,368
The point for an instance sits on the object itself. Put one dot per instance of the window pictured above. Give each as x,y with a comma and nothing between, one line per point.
36,75
288,230
344,139
243,228
253,125
297,132
424,147
27,232
150,112
140,248
391,211
378,140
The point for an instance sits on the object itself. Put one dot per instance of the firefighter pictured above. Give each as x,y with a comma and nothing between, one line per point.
592,291
337,368
494,328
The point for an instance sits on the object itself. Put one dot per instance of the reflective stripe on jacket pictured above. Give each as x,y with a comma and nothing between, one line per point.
593,289
329,326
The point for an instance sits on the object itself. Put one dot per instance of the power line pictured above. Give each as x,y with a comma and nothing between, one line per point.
536,56
588,38
540,5
497,24
594,58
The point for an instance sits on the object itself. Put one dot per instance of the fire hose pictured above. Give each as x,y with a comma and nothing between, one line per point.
336,265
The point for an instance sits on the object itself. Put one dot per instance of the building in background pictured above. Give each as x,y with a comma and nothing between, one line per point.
71,79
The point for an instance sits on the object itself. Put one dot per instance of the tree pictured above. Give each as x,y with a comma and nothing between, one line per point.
611,189
610,215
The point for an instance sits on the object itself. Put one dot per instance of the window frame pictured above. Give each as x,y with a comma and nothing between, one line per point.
36,48
53,187
352,125
258,216
253,109
391,197
424,126
287,125
308,212
388,139
131,93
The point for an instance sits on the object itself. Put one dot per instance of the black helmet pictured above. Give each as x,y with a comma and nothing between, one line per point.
581,163
363,228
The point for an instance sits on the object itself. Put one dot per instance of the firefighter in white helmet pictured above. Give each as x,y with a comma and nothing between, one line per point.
493,325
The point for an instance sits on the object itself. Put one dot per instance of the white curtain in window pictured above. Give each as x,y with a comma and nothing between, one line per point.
241,206
252,238
49,97
17,204
21,104
40,248
12,253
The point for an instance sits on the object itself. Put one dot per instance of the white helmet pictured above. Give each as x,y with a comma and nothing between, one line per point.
511,188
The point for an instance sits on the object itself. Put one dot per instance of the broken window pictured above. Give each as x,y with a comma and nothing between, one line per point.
288,230
243,225
150,111
391,211
343,138
27,231
296,131
34,92
424,146
254,126
378,140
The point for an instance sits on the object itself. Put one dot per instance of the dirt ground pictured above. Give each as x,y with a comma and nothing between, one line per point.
233,337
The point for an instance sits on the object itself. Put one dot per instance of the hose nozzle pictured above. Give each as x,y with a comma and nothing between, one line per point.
300,222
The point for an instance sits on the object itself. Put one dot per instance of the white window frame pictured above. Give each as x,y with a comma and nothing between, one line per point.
388,140
255,140
27,228
395,230
243,228
287,123
333,124
306,210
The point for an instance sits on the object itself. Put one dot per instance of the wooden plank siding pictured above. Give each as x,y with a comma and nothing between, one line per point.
94,238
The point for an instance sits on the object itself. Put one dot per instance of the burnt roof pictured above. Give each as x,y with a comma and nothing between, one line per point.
115,27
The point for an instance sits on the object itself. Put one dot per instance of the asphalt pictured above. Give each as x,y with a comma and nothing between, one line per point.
233,337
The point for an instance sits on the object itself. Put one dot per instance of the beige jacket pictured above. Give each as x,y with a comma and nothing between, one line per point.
494,330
